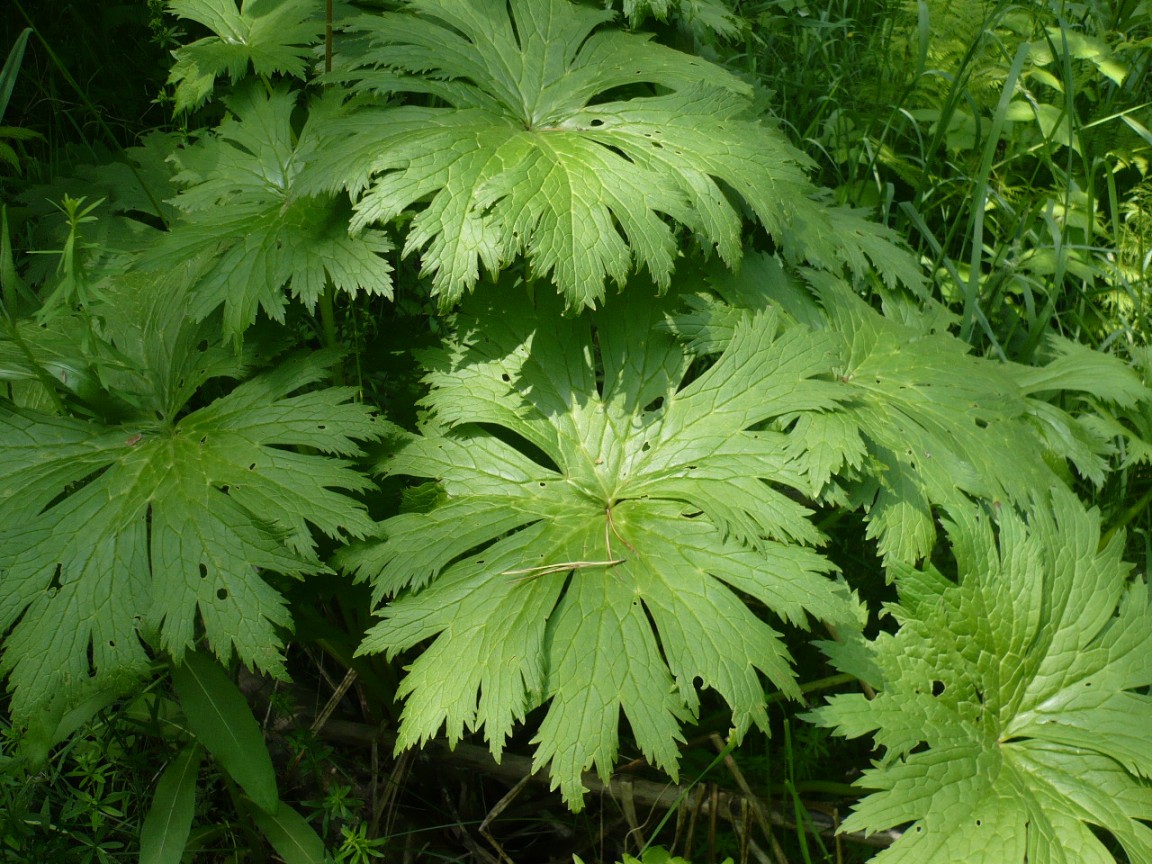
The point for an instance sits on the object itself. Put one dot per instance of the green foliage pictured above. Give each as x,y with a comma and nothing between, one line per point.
222,721
7,82
271,236
699,17
566,528
164,834
606,524
187,507
530,158
1018,131
601,513
272,35
290,835
1011,704
78,806
920,422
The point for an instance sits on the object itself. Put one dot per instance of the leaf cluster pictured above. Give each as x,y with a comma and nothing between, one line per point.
606,477
617,502
569,144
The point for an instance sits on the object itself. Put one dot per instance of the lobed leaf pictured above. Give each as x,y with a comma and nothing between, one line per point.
919,421
1012,706
607,520
552,145
274,36
154,527
242,209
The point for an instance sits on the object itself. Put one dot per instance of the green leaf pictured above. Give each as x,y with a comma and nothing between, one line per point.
221,720
920,422
164,833
62,713
698,16
1012,706
11,70
34,352
606,515
290,835
275,36
527,159
161,521
942,426
1077,367
242,208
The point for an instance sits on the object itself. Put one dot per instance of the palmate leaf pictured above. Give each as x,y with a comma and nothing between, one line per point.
921,422
275,36
605,521
697,16
1011,706
139,528
532,156
241,205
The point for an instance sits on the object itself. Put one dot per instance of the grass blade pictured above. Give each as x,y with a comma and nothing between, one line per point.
12,69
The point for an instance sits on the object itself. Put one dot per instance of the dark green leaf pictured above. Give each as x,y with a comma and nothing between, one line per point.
290,835
165,831
220,718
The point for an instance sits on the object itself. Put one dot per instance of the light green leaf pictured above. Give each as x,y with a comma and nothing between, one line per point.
594,554
525,160
290,835
1013,707
221,720
275,36
164,833
920,422
1076,367
241,207
150,523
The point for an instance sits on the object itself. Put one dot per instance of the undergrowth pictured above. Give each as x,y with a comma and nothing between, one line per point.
733,414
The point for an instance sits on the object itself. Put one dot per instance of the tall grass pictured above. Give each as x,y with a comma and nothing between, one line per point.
1010,143
1007,140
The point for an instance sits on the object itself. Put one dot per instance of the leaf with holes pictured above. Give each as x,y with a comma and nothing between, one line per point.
552,145
143,525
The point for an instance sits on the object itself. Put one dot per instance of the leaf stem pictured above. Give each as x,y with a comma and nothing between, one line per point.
533,572
328,336
815,686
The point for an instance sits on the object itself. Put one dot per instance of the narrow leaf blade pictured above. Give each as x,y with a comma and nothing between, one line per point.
169,820
223,722
290,835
